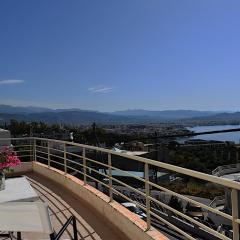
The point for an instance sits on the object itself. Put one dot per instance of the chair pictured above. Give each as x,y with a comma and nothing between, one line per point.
30,217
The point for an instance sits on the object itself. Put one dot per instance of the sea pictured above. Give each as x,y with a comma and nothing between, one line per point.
234,136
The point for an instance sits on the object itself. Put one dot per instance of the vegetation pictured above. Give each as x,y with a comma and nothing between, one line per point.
19,128
203,159
86,135
195,188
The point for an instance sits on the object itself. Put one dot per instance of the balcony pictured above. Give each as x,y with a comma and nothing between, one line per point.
62,205
83,183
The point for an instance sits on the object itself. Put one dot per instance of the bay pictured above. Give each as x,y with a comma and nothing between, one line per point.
234,136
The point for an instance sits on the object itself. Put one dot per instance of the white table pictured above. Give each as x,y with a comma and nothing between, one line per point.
18,190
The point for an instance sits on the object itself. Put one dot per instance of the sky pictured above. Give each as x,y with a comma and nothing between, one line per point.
120,54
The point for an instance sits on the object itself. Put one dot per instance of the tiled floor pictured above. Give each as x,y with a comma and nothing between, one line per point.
62,205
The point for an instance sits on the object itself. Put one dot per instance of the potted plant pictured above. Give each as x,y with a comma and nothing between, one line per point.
8,160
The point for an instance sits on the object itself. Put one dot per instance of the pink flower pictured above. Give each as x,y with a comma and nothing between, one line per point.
8,159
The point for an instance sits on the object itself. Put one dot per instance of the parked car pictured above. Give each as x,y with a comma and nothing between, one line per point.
133,208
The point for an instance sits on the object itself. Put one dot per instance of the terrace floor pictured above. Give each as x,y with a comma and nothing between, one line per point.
62,205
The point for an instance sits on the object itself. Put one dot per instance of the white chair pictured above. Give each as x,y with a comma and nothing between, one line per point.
30,217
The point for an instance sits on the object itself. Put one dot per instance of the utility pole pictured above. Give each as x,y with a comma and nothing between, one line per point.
94,126
154,168
31,130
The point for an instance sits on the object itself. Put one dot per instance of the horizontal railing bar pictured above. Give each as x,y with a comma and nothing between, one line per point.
74,154
188,172
56,156
40,146
57,162
128,186
102,174
172,226
57,150
93,178
192,201
130,174
37,151
102,164
129,199
37,156
25,156
75,170
189,218
237,221
71,161
15,139
49,154
54,149
19,151
22,146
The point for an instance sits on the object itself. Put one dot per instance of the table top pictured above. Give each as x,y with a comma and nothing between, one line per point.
18,190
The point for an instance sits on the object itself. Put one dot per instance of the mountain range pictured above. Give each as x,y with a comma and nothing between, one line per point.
78,116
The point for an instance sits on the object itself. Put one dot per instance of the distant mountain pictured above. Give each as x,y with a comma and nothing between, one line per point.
78,116
13,109
167,114
68,117
221,117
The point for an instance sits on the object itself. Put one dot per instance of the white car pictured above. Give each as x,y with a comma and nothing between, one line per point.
133,208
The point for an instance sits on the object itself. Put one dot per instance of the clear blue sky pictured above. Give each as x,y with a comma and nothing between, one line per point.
110,55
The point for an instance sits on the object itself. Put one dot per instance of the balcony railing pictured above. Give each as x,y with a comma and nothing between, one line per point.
85,162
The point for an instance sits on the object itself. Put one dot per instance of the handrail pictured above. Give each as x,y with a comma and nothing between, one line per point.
86,169
191,173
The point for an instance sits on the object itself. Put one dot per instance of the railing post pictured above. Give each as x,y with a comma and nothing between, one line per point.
147,191
84,166
110,176
235,225
34,150
48,151
65,158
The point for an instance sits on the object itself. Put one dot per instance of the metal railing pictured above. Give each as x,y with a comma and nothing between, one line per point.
86,161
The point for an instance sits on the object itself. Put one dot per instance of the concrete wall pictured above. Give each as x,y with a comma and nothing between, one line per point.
20,170
118,216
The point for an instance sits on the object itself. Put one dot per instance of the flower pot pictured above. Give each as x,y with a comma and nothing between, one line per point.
2,180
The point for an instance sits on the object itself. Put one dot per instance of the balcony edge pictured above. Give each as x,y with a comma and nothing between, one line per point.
125,221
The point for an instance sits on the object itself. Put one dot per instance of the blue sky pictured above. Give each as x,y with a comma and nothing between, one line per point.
112,55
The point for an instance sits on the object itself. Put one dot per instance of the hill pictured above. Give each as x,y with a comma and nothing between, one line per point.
167,114
22,110
68,117
78,116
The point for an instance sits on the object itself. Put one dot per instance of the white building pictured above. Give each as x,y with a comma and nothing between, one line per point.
7,135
